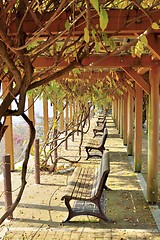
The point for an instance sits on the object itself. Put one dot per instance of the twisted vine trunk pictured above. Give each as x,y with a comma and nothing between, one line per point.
24,169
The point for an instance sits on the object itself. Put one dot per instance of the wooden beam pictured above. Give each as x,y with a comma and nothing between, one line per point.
138,79
105,60
101,60
121,22
119,85
129,88
143,70
154,45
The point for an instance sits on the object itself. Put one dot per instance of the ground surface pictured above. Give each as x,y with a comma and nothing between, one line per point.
41,211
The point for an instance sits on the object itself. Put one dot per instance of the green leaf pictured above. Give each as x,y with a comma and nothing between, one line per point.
144,40
67,25
95,4
139,48
94,33
5,70
103,19
111,44
86,35
104,37
155,26
97,47
74,54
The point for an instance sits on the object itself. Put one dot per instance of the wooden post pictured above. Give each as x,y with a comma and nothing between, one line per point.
66,131
138,129
45,117
113,108
55,128
71,117
7,183
130,125
153,135
119,113
91,111
121,117
37,163
125,119
9,149
77,112
62,121
31,109
116,113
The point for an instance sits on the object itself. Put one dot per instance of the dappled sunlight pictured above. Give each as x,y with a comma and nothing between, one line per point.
119,181
127,207
41,206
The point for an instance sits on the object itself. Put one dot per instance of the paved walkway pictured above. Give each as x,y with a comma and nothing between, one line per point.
41,211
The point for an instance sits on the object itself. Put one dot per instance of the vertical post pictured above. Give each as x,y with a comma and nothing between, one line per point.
7,184
125,119
71,117
91,111
76,114
153,135
45,117
9,149
130,125
113,109
121,117
31,109
119,113
66,131
62,121
55,128
138,129
37,163
116,113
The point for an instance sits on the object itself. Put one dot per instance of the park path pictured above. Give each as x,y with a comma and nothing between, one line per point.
41,211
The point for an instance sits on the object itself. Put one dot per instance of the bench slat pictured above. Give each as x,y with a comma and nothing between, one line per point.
84,184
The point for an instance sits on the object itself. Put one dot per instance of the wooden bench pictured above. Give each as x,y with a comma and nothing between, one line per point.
86,187
99,129
95,145
100,121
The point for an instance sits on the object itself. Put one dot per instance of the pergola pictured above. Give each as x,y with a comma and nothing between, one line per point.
124,26
127,68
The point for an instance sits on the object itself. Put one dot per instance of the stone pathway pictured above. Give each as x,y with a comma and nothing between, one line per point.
41,211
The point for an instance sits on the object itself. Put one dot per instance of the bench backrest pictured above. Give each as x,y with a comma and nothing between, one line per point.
101,175
104,137
100,121
104,125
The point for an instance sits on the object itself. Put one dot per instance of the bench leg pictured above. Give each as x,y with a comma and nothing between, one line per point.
70,211
87,151
101,215
94,133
